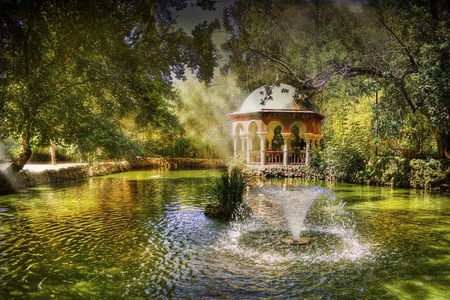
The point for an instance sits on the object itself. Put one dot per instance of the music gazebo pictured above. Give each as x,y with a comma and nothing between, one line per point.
280,132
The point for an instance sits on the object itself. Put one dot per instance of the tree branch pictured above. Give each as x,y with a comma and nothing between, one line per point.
413,65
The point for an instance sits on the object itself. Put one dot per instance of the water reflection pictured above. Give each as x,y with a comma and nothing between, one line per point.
142,235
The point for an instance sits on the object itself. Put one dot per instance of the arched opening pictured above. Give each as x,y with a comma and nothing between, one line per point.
297,142
254,153
298,147
274,139
277,141
255,140
274,143
239,144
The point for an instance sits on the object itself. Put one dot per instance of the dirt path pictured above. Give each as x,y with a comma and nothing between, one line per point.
35,167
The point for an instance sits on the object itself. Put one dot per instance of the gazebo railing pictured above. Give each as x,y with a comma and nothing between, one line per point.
297,157
273,157
255,157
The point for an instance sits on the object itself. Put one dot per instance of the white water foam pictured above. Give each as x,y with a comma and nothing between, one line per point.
276,210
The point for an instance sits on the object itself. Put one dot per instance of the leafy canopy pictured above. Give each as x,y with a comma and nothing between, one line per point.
70,70
401,46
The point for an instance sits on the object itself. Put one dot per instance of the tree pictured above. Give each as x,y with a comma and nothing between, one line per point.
419,32
401,132
70,70
401,44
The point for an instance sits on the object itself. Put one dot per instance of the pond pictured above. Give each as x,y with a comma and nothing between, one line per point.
143,235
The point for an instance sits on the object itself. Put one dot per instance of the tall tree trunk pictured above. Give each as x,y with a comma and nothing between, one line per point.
52,153
19,162
7,176
25,149
443,143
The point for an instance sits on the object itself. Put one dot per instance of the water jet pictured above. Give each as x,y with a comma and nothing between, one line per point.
295,204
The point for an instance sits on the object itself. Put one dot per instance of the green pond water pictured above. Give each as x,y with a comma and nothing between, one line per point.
143,235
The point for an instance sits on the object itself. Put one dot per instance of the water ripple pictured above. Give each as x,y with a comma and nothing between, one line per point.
147,238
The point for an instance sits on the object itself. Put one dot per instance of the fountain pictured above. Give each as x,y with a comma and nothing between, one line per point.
295,204
302,225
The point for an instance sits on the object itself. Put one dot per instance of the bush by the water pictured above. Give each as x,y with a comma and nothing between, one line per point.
403,172
229,190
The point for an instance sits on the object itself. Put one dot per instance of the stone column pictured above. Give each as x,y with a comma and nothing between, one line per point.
262,137
308,138
235,140
250,141
287,143
285,155
247,151
251,137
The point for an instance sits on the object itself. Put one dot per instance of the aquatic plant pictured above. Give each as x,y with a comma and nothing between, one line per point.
229,190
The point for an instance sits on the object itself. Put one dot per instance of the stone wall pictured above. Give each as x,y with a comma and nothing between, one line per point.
281,171
387,171
26,178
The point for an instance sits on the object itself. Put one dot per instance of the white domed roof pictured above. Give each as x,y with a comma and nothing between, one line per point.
283,98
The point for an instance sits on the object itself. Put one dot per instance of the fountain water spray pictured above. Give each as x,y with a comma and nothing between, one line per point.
295,205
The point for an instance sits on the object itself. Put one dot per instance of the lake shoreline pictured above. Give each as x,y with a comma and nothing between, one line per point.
40,174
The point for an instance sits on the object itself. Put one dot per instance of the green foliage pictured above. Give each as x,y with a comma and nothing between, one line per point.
393,171
229,189
236,164
402,172
317,165
347,132
429,174
8,148
182,147
402,133
192,123
203,116
347,165
400,46
63,154
344,161
71,70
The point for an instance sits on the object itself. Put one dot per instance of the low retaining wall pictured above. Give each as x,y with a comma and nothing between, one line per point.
26,178
417,174
280,171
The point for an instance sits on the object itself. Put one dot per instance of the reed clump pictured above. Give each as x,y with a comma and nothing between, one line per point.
229,190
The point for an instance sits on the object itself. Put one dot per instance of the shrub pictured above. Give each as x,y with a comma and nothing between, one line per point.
410,173
393,171
316,161
344,162
427,174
